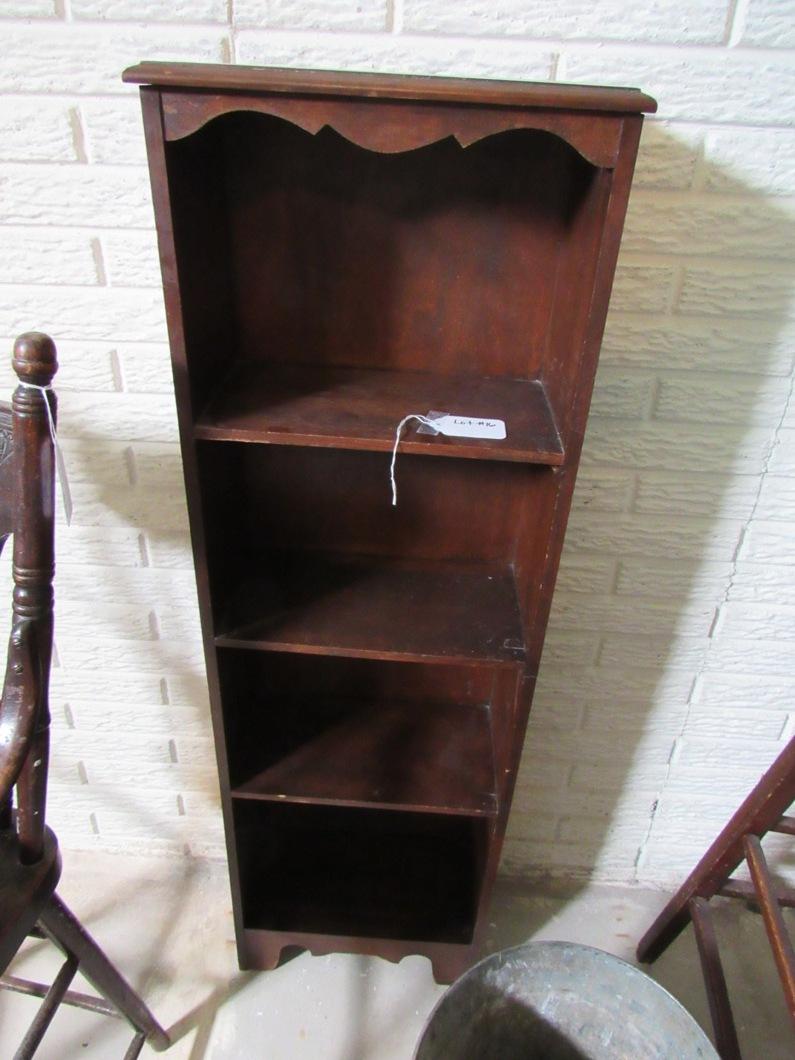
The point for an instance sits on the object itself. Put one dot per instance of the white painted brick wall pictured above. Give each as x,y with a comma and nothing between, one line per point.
668,680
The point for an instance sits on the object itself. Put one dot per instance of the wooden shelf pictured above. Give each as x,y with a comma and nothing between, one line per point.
360,408
429,758
364,607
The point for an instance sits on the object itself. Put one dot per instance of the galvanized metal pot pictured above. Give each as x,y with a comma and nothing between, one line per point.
560,1001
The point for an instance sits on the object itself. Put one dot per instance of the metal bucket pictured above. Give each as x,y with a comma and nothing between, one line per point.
560,1001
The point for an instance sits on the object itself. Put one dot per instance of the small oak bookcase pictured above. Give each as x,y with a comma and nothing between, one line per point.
340,250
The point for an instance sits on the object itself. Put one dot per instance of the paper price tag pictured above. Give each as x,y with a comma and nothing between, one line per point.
469,427
449,424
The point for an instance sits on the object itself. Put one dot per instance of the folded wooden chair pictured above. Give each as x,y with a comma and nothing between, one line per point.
764,810
30,864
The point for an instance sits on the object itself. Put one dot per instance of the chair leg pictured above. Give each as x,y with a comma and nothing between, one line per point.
47,1010
69,935
135,1046
720,1008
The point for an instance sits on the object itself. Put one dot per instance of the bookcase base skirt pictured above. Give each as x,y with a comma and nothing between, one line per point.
265,950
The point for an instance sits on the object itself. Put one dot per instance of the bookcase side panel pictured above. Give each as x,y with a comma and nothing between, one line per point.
175,316
582,300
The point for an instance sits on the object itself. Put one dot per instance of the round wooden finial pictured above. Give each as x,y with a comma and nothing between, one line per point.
35,359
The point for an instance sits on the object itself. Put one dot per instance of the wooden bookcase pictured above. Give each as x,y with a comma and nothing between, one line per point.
339,251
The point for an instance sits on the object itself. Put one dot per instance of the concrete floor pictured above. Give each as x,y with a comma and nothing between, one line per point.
167,924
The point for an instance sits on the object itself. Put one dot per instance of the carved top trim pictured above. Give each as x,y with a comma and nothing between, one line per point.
391,127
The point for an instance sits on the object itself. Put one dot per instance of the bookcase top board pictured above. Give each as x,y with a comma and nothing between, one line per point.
543,94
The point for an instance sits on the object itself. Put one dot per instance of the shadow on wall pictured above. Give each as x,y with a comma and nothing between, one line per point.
647,728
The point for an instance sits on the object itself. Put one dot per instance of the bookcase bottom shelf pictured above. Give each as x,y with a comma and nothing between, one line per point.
359,874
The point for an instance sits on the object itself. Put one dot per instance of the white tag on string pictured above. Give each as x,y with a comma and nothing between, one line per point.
451,426
411,416
60,463
470,427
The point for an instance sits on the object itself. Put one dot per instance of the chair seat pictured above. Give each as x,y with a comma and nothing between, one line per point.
24,890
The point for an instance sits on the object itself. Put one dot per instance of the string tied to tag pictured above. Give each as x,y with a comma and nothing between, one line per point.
60,463
406,419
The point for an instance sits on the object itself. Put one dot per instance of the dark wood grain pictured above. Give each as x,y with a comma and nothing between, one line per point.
431,758
337,500
360,608
360,408
443,260
745,891
339,251
392,126
777,933
373,864
714,981
24,890
25,714
389,86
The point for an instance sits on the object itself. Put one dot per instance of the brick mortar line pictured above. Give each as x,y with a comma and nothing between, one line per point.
231,54
577,45
142,25
737,21
394,17
703,665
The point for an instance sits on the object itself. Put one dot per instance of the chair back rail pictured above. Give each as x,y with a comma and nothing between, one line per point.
24,707
30,863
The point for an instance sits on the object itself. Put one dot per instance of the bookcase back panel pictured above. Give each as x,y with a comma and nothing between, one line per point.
273,677
283,498
197,272
411,736
441,259
358,872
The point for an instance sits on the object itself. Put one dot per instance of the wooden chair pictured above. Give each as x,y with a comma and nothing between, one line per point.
30,864
764,810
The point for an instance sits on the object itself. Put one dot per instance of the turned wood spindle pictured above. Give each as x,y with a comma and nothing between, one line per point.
30,646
